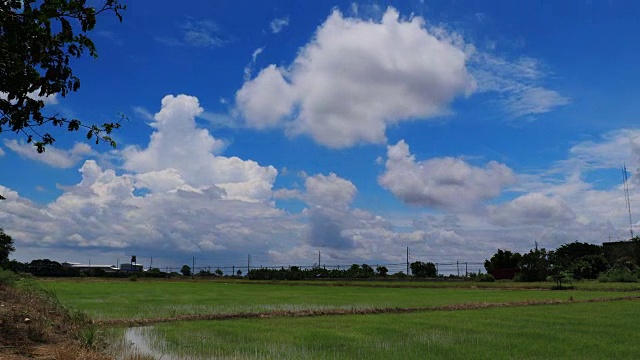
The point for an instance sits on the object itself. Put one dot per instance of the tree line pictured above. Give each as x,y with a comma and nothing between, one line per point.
572,261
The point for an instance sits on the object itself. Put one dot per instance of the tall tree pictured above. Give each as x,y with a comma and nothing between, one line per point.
6,248
38,39
422,270
535,265
502,259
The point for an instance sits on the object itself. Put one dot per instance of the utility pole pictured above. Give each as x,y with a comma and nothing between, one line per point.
626,197
248,263
318,259
466,269
407,260
458,268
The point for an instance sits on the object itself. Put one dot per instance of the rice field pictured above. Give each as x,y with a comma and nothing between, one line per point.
568,331
351,321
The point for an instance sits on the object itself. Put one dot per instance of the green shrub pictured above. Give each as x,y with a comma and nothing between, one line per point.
8,277
619,275
485,278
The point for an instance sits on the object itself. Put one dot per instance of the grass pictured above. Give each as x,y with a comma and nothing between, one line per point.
568,331
113,299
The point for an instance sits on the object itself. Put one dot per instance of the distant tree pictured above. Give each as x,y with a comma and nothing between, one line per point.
535,265
239,272
16,266
561,275
589,266
205,273
37,41
6,248
423,270
382,271
366,271
218,272
502,259
584,260
353,271
400,275
46,267
154,272
185,270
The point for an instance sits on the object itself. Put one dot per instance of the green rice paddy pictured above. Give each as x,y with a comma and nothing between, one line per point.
570,330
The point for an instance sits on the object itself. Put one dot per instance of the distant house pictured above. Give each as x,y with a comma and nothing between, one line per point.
131,267
85,267
504,274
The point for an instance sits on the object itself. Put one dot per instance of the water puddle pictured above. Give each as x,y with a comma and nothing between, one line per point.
140,341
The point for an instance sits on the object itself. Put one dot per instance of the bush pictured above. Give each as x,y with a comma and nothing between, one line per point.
619,275
485,278
8,277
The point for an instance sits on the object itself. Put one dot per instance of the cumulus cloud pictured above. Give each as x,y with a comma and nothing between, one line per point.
356,77
329,215
329,191
102,212
53,156
446,183
265,100
533,209
181,153
278,24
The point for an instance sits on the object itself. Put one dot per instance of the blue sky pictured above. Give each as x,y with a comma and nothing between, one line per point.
356,129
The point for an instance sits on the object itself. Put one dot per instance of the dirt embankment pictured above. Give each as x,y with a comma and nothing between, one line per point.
34,326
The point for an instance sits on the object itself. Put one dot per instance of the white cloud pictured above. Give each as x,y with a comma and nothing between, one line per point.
265,100
447,183
518,84
178,144
609,151
278,24
53,156
203,33
532,209
329,191
533,101
102,212
1,152
249,68
35,95
330,218
355,77
287,194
